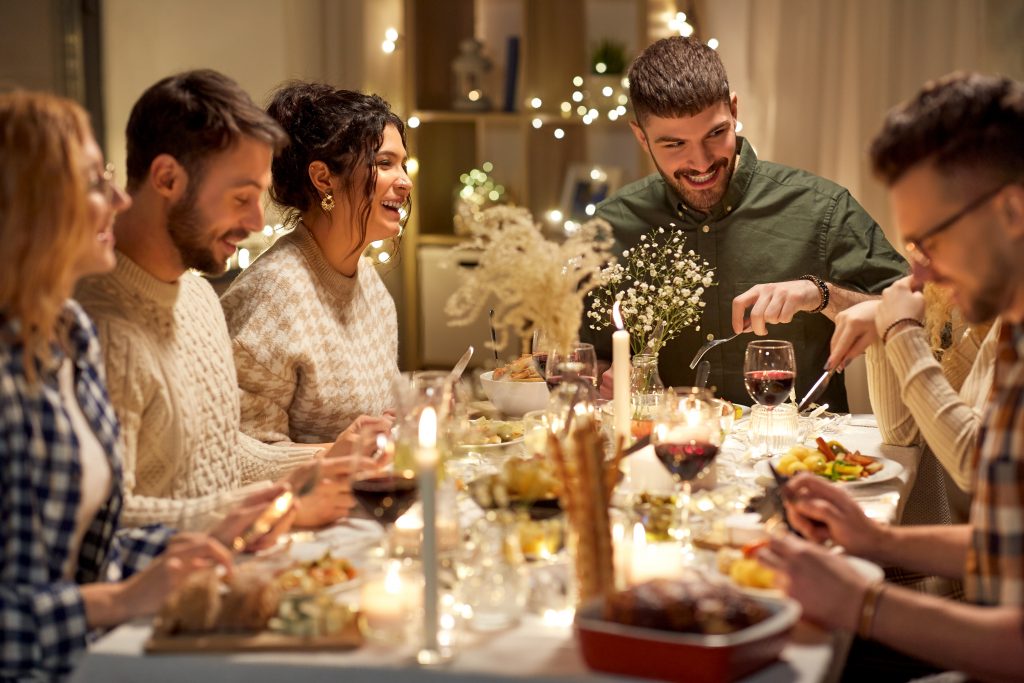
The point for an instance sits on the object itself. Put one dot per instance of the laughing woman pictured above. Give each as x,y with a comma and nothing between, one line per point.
60,471
315,331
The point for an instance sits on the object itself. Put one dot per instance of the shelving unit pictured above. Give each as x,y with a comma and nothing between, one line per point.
556,38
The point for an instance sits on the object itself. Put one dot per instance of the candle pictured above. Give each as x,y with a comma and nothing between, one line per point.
426,459
652,560
407,534
385,603
620,378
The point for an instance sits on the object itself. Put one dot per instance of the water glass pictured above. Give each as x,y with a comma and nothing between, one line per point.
773,430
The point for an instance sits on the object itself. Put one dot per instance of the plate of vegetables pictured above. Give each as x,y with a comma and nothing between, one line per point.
832,461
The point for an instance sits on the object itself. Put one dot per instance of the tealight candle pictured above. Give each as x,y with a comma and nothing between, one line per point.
652,560
385,604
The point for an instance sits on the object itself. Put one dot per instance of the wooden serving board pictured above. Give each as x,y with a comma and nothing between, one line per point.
349,638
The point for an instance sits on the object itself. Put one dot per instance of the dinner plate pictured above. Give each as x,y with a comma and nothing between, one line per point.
866,568
890,470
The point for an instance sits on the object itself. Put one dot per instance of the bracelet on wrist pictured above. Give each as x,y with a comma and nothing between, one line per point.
901,321
868,609
822,291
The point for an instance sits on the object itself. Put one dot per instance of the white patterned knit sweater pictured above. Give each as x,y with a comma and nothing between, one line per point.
314,349
172,382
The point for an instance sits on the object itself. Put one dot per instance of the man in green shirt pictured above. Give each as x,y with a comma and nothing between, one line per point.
790,250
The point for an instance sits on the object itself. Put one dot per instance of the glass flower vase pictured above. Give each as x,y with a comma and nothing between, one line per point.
646,392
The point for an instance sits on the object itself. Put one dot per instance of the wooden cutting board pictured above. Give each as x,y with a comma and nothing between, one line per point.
347,639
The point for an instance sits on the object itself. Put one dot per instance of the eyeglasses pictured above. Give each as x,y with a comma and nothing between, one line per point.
916,251
104,183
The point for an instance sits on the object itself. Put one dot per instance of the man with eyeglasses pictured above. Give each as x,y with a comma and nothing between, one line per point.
953,158
790,250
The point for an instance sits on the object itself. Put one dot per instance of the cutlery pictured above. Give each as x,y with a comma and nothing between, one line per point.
494,337
276,510
642,442
460,367
816,390
712,344
703,371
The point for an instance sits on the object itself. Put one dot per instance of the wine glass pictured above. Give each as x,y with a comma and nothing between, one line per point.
385,495
686,436
769,370
581,360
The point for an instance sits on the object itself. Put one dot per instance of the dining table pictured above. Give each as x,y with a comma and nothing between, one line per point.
540,646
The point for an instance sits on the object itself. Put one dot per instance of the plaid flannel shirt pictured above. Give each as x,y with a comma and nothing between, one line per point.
995,559
42,617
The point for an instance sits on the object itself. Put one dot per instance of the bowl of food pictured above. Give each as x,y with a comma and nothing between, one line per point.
684,630
514,396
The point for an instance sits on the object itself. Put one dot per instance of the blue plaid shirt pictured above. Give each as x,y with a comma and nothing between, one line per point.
42,617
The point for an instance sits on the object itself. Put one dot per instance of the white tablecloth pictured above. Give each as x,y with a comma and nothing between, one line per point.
532,650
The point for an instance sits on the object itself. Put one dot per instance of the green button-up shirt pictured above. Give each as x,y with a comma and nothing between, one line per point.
774,224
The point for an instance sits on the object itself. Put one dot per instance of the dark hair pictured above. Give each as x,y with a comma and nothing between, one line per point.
961,122
191,116
342,128
676,77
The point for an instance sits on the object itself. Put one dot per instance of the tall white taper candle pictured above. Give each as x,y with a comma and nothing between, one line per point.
426,460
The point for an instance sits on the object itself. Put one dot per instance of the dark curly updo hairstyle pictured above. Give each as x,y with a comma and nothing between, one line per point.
342,128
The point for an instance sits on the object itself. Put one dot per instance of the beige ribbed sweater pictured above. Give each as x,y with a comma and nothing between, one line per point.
912,398
314,349
172,382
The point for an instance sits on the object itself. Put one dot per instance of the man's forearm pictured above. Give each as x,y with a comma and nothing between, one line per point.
940,550
840,299
985,642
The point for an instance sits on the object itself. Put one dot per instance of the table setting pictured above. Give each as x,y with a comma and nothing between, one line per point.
525,528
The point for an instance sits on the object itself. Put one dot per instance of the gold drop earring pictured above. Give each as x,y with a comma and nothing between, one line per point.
327,203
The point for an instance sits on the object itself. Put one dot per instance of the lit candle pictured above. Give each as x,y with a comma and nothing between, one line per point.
426,459
385,603
652,560
620,377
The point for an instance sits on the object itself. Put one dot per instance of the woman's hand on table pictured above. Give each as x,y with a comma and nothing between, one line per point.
145,591
829,589
822,511
359,438
855,331
332,498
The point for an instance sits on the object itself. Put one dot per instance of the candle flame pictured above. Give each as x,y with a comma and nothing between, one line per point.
617,316
428,428
639,535
392,579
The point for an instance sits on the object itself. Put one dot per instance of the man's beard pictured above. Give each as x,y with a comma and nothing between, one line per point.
186,227
986,304
701,200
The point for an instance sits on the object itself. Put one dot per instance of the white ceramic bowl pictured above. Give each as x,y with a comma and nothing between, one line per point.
515,398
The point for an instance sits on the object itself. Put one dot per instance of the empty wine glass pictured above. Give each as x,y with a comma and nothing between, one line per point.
686,436
769,370
581,361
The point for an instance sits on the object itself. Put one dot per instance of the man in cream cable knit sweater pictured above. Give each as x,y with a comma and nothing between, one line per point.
199,153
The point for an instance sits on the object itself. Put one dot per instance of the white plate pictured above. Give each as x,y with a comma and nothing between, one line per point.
890,470
866,568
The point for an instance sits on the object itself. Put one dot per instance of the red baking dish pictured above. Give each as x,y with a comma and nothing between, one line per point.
665,655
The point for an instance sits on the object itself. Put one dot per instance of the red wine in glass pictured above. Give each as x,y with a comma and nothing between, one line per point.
769,387
686,460
386,497
553,381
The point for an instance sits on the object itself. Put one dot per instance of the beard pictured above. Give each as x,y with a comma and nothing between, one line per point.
987,303
187,230
701,200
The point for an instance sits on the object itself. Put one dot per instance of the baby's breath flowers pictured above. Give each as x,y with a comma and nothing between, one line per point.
532,283
661,281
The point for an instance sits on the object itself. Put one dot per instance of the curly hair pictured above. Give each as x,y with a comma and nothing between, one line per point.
961,122
676,77
44,215
343,129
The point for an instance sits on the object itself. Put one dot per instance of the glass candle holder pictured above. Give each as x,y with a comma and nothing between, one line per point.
774,430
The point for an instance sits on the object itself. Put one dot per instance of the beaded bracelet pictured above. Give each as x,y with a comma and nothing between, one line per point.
868,609
822,289
901,321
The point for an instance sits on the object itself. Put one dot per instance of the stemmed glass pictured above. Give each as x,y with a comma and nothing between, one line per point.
686,436
769,370
581,360
385,495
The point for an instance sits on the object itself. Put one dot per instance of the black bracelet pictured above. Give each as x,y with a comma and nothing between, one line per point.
822,289
901,321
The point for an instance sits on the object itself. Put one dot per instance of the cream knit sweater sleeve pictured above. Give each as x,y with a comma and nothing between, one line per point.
132,381
912,398
264,394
